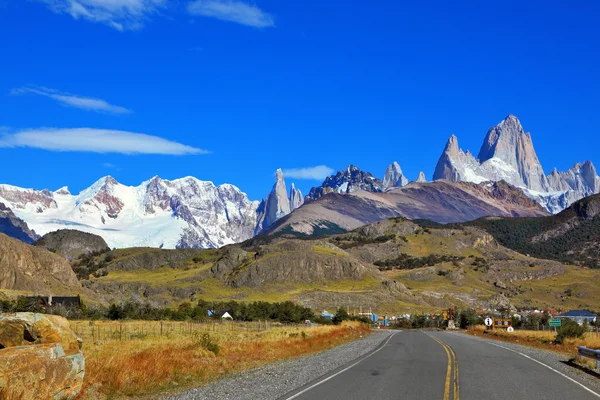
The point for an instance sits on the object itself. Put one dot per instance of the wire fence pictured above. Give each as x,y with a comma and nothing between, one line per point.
96,331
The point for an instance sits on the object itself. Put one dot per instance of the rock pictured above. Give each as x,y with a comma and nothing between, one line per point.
40,358
13,226
351,180
394,177
71,243
275,206
500,284
296,199
421,177
31,268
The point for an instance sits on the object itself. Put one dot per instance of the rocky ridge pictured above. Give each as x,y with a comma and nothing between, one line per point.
13,226
350,180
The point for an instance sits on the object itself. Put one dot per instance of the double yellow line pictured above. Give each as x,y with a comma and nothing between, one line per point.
451,378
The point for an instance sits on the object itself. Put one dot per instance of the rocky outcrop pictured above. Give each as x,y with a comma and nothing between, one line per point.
294,261
31,268
394,177
40,358
15,227
422,177
71,244
350,180
296,198
276,205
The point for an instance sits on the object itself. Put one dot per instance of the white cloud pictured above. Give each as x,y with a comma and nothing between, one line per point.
118,14
319,172
72,100
233,11
96,141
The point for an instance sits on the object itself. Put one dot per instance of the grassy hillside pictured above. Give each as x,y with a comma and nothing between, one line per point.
571,236
390,266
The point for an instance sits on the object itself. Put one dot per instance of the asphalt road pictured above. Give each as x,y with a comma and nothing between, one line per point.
423,365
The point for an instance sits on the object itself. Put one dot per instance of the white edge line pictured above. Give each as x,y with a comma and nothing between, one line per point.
549,367
339,372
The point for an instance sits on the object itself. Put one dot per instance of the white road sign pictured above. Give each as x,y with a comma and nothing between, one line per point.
510,329
488,321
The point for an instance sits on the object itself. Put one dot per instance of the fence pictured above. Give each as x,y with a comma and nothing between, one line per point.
129,330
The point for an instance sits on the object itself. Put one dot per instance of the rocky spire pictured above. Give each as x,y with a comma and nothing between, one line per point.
509,143
394,177
454,163
277,204
296,199
421,177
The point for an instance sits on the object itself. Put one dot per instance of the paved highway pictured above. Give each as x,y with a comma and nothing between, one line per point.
422,365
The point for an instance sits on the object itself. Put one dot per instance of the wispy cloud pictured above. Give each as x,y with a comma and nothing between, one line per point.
96,141
118,14
319,172
233,11
72,100
109,165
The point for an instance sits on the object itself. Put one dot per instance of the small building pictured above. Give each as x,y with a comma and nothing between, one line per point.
226,315
222,313
579,316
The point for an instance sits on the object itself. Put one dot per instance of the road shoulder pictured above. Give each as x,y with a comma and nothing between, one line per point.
272,381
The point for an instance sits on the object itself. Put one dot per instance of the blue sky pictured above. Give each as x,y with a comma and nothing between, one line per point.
228,91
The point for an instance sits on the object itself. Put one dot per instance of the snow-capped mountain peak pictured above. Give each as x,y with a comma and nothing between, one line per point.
507,153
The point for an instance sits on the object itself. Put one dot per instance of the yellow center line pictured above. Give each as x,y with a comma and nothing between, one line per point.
452,361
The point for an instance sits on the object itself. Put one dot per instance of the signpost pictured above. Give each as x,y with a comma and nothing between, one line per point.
489,322
555,323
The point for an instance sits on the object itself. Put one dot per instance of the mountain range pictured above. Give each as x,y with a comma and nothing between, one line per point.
506,179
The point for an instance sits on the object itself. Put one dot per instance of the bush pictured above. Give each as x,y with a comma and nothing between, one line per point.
569,329
340,315
206,341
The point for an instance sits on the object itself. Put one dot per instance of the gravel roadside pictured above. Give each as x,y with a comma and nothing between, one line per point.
552,359
274,380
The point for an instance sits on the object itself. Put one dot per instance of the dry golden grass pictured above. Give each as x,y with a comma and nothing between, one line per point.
154,364
540,339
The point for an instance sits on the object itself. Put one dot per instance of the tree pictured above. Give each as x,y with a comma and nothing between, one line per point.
340,315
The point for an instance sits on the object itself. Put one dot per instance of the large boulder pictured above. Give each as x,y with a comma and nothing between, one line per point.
40,357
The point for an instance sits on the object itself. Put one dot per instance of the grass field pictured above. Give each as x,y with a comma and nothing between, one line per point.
184,355
544,340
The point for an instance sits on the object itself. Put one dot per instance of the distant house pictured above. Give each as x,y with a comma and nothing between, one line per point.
327,315
223,313
579,316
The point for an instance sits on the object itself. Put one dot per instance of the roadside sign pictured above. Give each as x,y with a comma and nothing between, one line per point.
488,321
555,322
510,329
445,314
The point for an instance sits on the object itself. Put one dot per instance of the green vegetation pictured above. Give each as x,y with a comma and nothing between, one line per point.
404,261
286,311
88,264
569,329
347,242
578,244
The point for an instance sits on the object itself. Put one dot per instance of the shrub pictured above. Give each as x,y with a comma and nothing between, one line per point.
207,342
569,329
340,315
